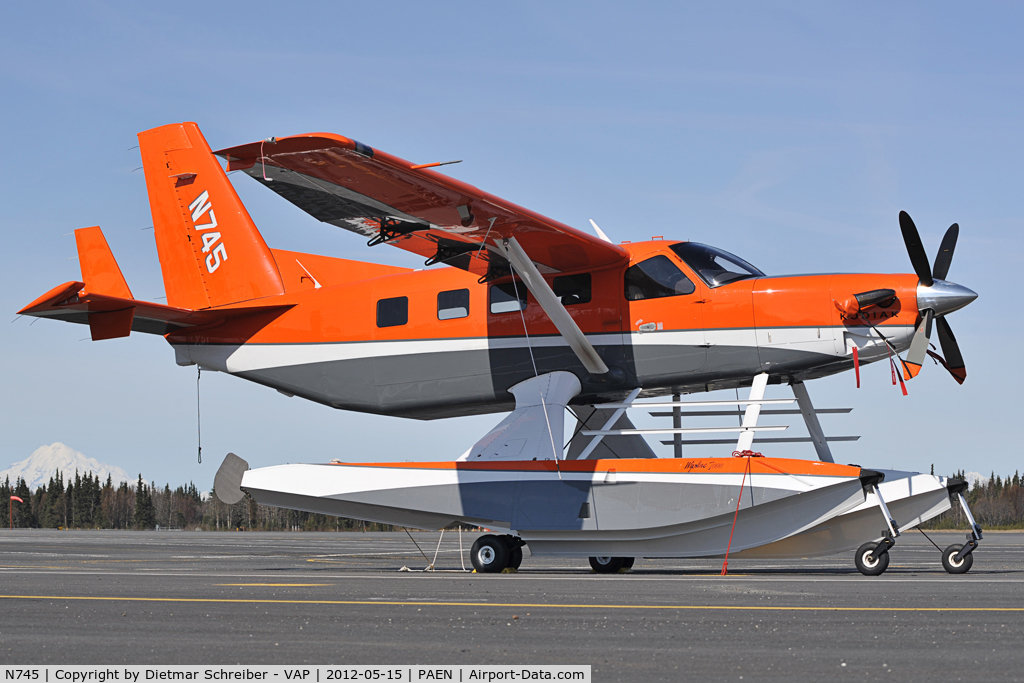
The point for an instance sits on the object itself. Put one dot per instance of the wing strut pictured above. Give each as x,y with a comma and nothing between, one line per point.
567,327
810,415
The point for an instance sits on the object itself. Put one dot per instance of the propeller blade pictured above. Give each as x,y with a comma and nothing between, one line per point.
915,249
945,255
951,350
918,346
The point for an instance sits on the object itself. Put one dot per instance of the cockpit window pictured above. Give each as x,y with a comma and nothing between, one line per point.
655,278
714,266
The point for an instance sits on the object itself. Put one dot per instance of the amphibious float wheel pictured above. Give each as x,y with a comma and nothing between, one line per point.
606,565
950,564
868,564
515,558
489,554
515,550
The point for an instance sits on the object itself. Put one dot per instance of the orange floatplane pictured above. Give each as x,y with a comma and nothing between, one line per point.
522,313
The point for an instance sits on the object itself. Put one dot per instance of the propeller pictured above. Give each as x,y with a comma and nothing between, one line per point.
951,350
945,255
915,248
935,299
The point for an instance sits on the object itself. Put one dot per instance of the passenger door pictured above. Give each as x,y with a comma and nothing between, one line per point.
666,320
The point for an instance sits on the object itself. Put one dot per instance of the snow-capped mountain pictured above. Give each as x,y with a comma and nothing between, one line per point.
45,461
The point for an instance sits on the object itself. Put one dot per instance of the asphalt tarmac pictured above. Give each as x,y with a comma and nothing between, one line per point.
173,597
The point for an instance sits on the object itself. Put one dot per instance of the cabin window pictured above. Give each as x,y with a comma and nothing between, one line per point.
393,312
655,278
453,304
572,289
508,298
714,266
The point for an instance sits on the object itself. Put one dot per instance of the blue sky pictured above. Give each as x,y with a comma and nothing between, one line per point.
790,134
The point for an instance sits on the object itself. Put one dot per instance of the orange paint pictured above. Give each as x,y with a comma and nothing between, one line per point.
639,465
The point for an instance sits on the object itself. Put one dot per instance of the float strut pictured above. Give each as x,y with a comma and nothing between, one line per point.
888,535
894,528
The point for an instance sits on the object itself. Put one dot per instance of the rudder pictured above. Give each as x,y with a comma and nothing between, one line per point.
211,253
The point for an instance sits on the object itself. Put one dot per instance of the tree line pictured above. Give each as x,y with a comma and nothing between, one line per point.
996,503
86,502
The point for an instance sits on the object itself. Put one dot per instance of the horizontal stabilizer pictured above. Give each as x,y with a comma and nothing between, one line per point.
109,317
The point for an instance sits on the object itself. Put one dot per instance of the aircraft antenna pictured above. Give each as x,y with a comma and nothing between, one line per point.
199,416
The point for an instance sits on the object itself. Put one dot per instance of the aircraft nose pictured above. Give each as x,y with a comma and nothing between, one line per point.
944,297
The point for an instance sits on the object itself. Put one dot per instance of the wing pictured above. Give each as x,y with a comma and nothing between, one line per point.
386,199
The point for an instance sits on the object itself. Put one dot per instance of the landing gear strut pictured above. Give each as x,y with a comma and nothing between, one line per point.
494,554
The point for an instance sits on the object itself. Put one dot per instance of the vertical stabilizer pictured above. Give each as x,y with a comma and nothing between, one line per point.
210,251
100,271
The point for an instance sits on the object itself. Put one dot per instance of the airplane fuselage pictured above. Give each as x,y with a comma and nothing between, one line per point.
437,343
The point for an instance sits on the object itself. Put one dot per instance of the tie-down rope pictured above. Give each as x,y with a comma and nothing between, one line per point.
738,454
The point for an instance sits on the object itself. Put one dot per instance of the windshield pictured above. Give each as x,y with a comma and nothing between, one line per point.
714,266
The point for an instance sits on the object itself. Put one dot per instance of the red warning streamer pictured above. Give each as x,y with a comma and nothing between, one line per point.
856,364
896,375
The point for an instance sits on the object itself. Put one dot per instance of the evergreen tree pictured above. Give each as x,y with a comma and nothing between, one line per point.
7,492
82,501
60,501
99,518
23,511
145,517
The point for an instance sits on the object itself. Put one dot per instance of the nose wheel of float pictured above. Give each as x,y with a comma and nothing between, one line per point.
955,563
872,559
957,558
